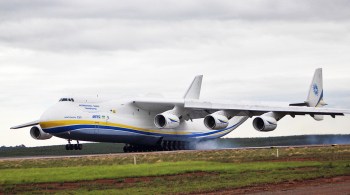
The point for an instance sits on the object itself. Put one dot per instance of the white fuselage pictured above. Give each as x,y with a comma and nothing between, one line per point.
120,122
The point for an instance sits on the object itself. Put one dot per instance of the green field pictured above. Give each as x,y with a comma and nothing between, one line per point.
173,172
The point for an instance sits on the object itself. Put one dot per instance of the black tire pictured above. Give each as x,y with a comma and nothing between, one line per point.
132,148
80,146
176,145
70,146
67,147
128,149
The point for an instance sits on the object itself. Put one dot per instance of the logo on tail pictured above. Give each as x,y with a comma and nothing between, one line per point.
315,89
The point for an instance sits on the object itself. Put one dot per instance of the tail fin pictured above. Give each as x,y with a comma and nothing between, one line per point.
315,96
194,90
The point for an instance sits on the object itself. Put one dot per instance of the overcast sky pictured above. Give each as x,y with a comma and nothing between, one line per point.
258,50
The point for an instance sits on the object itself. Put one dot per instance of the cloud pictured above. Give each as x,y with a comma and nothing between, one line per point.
178,10
261,50
75,26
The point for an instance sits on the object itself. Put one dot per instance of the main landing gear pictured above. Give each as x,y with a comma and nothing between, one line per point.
163,146
77,146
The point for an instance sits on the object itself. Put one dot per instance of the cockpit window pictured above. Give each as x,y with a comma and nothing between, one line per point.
66,100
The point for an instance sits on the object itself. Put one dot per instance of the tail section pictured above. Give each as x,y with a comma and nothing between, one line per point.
193,92
315,96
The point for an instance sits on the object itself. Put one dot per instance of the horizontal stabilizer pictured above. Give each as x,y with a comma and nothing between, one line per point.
298,104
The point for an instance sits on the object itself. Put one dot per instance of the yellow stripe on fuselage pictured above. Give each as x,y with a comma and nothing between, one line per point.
61,123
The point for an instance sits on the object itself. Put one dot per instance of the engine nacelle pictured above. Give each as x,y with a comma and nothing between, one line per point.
38,134
166,121
265,123
216,121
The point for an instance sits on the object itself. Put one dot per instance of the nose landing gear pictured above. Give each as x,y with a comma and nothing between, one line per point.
77,146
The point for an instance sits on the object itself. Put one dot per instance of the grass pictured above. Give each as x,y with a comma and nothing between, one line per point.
66,174
223,176
178,172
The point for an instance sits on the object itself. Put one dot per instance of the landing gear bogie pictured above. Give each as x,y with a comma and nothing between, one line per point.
77,146
163,146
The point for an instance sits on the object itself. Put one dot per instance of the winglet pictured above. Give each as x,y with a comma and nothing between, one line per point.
193,92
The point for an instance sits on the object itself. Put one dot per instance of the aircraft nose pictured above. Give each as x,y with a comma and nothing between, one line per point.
59,111
55,112
49,114
54,115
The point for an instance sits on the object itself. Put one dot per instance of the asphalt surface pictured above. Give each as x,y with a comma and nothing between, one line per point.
160,152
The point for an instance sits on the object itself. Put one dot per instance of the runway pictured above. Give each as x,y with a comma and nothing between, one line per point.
159,152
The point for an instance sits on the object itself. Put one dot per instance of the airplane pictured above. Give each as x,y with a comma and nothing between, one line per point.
159,124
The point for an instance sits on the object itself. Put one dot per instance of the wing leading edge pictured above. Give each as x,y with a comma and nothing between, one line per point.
26,125
257,110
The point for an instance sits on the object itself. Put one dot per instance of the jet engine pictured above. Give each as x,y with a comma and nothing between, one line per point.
216,121
166,121
265,123
38,134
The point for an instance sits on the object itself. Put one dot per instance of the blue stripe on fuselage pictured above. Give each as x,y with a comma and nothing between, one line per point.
62,129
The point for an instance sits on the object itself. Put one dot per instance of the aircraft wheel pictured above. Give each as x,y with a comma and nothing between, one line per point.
186,147
67,147
171,145
166,146
132,148
80,146
181,146
128,148
158,148
70,146
177,145
154,148
139,148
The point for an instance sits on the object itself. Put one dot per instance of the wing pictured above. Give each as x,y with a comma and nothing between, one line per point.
26,125
162,105
257,110
157,104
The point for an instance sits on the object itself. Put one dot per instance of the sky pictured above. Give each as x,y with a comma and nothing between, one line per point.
258,50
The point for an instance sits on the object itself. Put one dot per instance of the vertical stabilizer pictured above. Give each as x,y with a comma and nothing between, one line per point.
315,96
194,90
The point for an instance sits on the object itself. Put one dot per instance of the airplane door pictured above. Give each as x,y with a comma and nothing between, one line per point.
97,124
